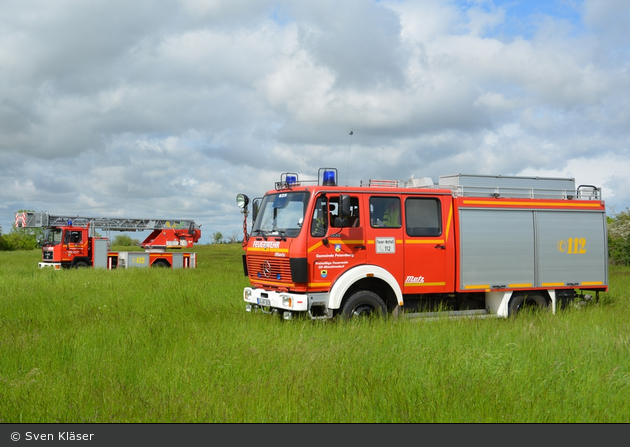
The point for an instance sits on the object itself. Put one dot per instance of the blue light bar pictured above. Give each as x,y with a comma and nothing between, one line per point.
291,179
69,223
329,178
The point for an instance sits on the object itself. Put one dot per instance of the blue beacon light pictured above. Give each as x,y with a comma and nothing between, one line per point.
291,179
329,178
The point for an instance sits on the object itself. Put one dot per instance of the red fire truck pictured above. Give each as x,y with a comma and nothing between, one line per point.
469,245
70,242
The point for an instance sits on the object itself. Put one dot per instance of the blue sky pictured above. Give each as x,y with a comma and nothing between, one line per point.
124,109
522,17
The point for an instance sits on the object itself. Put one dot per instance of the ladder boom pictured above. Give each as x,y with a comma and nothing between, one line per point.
45,220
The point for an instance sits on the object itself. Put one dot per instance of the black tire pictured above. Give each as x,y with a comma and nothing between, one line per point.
527,301
81,265
363,304
161,263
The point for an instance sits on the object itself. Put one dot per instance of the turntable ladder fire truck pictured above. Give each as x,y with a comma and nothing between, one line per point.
70,241
470,245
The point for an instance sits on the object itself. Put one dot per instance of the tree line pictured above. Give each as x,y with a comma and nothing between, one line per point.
29,239
618,238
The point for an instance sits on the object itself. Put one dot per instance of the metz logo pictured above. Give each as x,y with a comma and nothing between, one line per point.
415,279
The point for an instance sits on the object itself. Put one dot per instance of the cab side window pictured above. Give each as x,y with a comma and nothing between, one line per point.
328,212
423,217
73,237
385,212
339,220
319,221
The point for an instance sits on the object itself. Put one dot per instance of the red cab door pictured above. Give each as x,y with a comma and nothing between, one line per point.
336,242
428,241
75,244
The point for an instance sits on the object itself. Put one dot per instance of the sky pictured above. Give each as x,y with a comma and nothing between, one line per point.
168,109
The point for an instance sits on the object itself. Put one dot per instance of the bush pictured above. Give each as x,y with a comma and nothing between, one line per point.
619,238
4,245
126,241
21,239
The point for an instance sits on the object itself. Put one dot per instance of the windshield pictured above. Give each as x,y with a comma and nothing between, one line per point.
281,214
52,236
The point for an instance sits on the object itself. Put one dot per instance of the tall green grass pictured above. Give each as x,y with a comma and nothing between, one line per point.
156,345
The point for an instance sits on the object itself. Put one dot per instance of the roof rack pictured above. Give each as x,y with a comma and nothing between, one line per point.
382,183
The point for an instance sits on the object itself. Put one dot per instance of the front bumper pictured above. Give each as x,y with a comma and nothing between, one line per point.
296,302
315,304
55,265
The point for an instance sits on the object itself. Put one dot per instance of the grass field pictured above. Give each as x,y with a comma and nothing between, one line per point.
156,345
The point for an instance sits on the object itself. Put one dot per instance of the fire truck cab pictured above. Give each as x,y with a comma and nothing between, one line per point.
413,247
66,246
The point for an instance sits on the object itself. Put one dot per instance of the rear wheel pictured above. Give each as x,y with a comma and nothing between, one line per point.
161,263
363,304
527,301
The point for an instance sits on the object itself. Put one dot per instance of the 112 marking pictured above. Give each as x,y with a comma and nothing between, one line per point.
572,245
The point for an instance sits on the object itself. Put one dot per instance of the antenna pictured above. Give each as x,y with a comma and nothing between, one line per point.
348,165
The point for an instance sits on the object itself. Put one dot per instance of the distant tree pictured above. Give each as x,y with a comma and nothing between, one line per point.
619,238
234,238
125,241
619,224
217,237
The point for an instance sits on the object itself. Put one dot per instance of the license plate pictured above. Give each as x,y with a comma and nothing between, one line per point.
264,302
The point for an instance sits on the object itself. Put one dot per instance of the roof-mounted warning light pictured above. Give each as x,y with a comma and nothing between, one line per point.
287,181
325,177
328,176
69,223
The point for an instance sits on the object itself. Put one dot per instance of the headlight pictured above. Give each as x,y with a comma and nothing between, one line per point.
247,294
287,301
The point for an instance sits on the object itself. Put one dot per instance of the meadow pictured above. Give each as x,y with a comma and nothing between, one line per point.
161,345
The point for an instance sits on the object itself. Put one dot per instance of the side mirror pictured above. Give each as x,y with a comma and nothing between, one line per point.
255,209
344,205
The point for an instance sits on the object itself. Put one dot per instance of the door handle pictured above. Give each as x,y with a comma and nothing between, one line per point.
359,247
440,247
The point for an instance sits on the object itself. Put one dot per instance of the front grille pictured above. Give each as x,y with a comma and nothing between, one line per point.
267,268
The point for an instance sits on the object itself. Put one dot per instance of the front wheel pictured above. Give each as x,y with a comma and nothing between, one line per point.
527,301
363,304
81,264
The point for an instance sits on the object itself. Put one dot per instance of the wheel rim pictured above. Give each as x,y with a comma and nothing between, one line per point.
363,310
